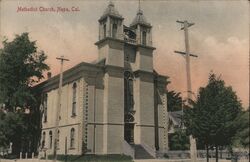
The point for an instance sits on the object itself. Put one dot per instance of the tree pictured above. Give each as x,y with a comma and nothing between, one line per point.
212,117
21,67
174,101
179,140
242,136
12,126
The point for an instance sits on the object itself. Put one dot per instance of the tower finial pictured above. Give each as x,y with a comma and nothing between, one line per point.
139,7
111,2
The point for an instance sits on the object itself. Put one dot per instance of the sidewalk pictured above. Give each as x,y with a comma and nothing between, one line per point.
144,160
185,160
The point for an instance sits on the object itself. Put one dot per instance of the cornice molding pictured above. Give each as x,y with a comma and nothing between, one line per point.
70,75
108,40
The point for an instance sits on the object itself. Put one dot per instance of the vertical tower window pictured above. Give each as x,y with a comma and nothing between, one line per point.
144,37
128,91
43,139
72,138
74,100
128,107
58,139
50,139
104,30
45,105
114,30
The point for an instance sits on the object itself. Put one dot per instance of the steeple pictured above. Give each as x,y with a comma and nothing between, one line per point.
140,18
110,42
110,11
110,23
142,28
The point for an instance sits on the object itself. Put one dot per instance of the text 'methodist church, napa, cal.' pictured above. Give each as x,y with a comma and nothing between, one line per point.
114,105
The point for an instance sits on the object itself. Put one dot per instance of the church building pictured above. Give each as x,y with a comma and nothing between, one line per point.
115,105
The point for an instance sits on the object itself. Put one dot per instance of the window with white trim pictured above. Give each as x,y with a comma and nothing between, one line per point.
74,99
50,139
43,139
45,108
72,138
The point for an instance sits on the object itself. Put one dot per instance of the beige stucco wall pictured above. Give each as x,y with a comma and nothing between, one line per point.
67,121
163,120
144,117
113,113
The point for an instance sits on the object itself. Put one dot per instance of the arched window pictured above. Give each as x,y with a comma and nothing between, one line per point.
114,30
43,139
72,138
58,139
50,139
104,31
144,37
45,105
74,100
128,92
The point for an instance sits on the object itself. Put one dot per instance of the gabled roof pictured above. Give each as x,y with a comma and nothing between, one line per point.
175,116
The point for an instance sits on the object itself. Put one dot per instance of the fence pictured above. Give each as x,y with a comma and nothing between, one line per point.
222,154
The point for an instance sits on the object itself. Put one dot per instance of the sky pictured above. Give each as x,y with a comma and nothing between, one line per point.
220,36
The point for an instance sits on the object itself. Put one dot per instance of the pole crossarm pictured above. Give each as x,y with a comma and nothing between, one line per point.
62,58
183,22
184,53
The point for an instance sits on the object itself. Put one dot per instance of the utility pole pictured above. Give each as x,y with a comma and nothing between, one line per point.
0,20
187,54
58,107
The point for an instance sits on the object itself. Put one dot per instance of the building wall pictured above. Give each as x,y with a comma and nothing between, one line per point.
144,116
144,60
163,118
67,121
113,113
147,112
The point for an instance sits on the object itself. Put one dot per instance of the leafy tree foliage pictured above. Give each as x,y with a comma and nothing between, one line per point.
174,101
212,118
179,140
242,136
12,126
21,67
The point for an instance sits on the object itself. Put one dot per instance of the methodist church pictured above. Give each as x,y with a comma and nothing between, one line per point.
114,105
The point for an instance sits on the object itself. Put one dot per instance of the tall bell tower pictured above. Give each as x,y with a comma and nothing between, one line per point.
142,28
110,43
111,52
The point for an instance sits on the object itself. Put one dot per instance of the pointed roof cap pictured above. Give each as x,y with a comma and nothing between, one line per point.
140,19
111,11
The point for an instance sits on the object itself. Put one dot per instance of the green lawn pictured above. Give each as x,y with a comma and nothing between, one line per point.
94,158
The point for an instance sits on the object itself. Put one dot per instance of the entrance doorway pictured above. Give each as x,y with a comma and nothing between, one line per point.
129,132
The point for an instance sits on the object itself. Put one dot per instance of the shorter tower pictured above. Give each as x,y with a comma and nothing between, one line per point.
142,67
142,29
